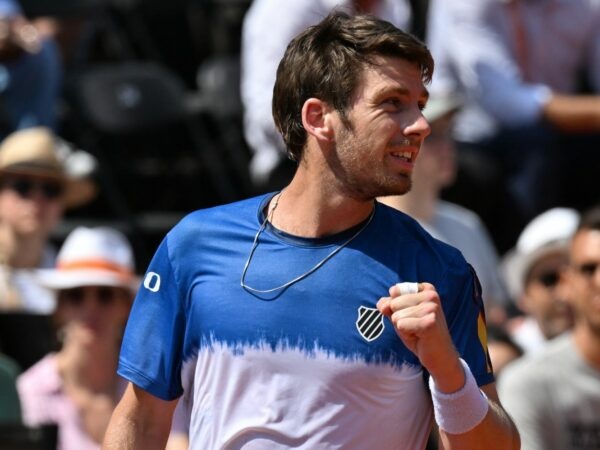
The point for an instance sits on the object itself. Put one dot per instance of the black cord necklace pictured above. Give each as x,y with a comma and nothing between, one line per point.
305,274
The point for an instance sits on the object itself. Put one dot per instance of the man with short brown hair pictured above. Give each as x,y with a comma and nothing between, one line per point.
308,318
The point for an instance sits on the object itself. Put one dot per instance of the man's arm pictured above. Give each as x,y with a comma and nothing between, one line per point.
140,421
419,321
574,113
495,431
477,54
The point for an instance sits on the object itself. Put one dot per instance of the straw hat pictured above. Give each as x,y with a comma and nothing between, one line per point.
35,151
99,256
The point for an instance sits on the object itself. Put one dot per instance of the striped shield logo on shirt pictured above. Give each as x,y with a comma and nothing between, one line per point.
369,323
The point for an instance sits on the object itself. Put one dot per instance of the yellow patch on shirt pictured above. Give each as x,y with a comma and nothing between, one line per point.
482,333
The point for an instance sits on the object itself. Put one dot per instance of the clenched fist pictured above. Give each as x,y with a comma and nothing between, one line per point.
419,321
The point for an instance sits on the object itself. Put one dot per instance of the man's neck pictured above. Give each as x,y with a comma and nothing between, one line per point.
22,252
313,208
588,343
27,252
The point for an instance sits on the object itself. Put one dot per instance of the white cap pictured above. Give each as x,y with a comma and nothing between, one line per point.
98,256
548,233
440,104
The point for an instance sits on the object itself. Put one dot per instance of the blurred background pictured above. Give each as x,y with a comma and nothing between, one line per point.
151,90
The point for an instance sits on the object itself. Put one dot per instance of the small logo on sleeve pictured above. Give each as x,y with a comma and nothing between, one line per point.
152,281
369,323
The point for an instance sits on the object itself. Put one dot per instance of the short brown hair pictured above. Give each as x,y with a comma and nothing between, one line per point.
326,62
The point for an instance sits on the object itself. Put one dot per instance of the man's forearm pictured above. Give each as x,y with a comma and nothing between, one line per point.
574,113
140,421
125,433
121,434
496,432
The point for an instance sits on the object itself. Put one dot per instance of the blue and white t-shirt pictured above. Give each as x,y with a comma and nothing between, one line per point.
312,366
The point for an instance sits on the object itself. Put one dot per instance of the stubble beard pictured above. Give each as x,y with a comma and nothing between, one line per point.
358,177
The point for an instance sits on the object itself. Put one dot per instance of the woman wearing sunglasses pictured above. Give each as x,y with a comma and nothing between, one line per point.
35,190
77,387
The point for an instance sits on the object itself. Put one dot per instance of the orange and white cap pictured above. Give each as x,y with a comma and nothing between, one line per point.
99,256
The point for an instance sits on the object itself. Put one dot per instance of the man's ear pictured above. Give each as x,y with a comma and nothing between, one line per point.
316,119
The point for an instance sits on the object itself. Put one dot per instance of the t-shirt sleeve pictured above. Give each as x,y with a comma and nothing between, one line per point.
152,348
467,325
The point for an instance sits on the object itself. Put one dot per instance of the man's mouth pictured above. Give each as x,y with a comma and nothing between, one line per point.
406,156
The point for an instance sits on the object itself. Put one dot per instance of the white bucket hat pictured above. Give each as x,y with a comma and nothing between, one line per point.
99,256
441,104
548,233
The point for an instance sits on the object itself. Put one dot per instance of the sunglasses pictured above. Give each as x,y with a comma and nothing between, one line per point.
588,270
25,187
103,295
548,279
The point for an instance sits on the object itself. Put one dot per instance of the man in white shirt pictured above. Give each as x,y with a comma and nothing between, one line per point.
528,115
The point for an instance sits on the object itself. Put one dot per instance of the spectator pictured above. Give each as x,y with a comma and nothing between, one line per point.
554,396
527,113
77,387
532,271
435,170
30,70
268,26
37,183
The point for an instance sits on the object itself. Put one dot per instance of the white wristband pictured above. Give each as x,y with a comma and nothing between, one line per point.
460,411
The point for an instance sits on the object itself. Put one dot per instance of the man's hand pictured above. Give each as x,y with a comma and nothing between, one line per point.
419,321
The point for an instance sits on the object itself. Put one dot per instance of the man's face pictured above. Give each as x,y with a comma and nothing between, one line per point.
544,298
375,156
583,278
31,205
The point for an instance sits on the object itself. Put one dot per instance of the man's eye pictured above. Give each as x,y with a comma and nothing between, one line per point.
396,103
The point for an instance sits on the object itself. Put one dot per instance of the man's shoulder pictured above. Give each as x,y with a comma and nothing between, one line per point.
218,217
403,226
407,229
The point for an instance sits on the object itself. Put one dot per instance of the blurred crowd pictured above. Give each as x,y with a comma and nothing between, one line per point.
118,117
